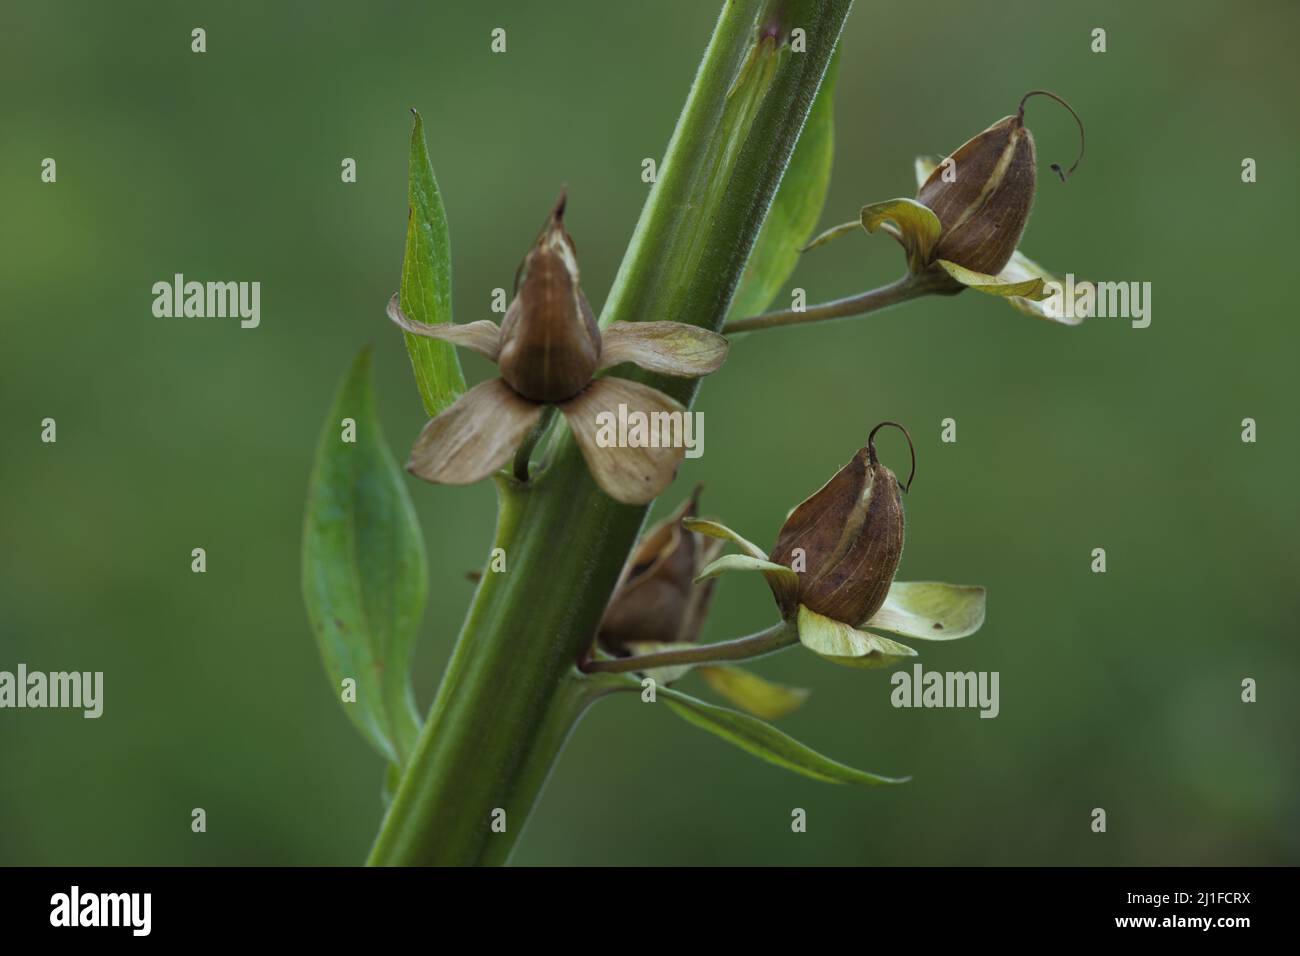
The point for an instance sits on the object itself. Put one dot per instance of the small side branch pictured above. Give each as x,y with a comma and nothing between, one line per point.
905,289
775,638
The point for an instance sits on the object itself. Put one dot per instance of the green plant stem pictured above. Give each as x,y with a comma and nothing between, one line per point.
524,454
904,290
504,706
775,638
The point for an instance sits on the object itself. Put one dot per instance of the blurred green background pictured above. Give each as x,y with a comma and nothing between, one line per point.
1119,690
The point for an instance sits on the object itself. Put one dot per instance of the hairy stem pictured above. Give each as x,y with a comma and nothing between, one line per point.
506,701
775,638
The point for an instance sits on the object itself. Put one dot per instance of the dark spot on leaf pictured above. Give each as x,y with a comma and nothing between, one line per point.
938,626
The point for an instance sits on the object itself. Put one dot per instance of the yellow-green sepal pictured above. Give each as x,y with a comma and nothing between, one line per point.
783,581
923,166
914,225
1049,306
931,610
1030,287
841,644
753,694
716,529
831,234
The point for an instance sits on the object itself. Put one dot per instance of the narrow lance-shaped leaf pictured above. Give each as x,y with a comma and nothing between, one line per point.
796,207
364,575
426,282
765,741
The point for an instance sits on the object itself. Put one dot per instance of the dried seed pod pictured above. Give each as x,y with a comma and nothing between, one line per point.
983,210
847,539
550,344
656,600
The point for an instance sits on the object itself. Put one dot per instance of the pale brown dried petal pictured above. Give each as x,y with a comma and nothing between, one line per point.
475,436
483,336
631,475
670,348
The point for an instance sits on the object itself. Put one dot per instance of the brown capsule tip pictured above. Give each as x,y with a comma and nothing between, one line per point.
557,214
553,232
1020,120
550,343
871,450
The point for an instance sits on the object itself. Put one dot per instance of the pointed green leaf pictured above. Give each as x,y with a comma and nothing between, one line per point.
752,693
796,207
363,568
765,741
841,644
931,610
426,282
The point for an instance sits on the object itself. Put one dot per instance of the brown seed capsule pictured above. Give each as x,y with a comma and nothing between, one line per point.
656,599
550,344
983,210
851,536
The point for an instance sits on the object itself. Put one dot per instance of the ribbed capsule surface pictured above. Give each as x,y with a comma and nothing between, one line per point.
550,344
984,209
851,536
